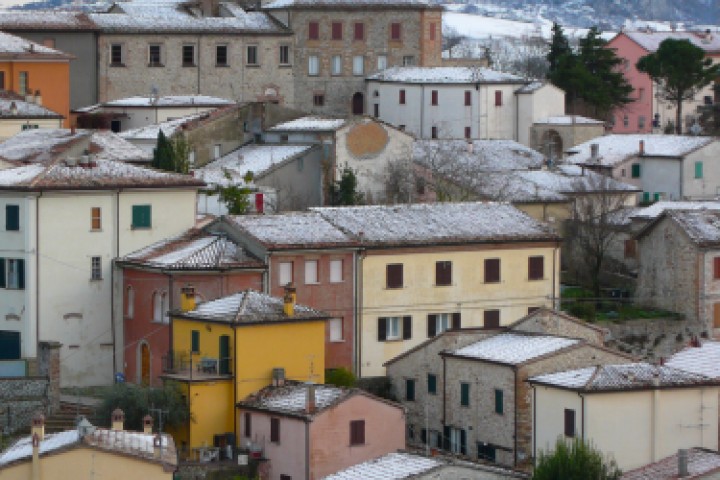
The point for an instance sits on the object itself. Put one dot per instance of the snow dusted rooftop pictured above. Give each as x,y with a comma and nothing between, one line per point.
107,145
614,149
150,132
569,120
393,466
651,41
444,75
658,208
291,399
13,46
629,376
249,307
179,101
47,20
193,250
703,360
284,4
15,108
699,463
481,155
514,348
22,449
702,226
309,123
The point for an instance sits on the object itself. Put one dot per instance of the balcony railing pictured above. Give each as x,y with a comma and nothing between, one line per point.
196,365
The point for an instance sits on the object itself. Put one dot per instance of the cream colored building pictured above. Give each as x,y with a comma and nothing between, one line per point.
17,115
635,413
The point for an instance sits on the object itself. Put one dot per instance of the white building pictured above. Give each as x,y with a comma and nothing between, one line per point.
61,225
461,102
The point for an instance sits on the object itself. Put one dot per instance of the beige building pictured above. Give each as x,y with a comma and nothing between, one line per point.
18,114
635,413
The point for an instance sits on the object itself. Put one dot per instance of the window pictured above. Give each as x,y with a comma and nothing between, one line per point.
336,65
95,218
311,271
319,99
247,425
433,132
569,422
12,217
698,169
434,97
410,389
440,322
314,31
395,32
492,270
536,268
626,121
313,65
468,98
2,80
221,56
195,341
336,30
498,401
358,65
635,170
12,273
357,432
23,83
359,32
252,55
336,271
188,55
468,133
157,307
408,61
630,248
141,216
486,452
432,383
116,54
716,315
394,275
716,268
275,430
433,27
164,307
285,477
382,62
465,394
29,126
491,318
95,268
641,122
641,93
394,328
129,302
455,440
284,55
191,158
498,98
154,56
443,273
285,273
336,330
401,98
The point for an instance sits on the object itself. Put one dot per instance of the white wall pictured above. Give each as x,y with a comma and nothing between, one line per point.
143,116
708,186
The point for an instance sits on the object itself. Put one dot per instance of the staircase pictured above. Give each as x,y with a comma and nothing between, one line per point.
66,417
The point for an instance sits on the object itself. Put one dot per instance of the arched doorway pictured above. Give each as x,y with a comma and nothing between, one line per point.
358,104
144,364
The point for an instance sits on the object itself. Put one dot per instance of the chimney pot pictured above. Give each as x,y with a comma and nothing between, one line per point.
187,298
310,405
157,445
594,151
118,420
38,426
642,147
147,424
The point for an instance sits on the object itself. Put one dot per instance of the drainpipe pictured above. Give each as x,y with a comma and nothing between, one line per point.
116,254
555,306
654,426
360,255
515,426
444,401
37,273
582,416
307,449
534,430
197,67
422,110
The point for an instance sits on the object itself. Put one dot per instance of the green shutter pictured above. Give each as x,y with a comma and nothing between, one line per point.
195,341
646,197
141,216
635,170
698,169
12,217
21,273
656,197
499,401
3,281
465,394
432,383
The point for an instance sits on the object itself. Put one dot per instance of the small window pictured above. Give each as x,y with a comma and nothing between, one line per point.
492,270
188,55
336,271
434,97
157,307
319,99
12,273
29,126
129,302
2,80
284,55
336,30
465,394
357,432
645,197
401,98
95,268
716,268
154,56
247,424
569,423
486,452
394,275
536,268
641,122
336,330
313,65
432,383
285,273
698,169
336,65
468,133
394,328
376,110
217,151
23,83
395,32
141,216
95,218
468,98
275,430
195,341
408,61
311,272
410,389
498,98
284,476
358,65
443,273
12,217
359,32
382,62
630,248
252,55
440,322
116,54
499,401
626,121
491,318
221,55
635,170
433,132
314,31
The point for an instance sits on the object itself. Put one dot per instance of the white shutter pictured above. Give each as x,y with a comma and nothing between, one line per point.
336,330
285,274
336,271
311,271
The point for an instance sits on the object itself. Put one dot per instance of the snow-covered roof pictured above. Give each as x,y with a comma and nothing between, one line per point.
19,109
22,449
631,376
653,211
302,4
107,145
572,179
651,41
702,226
447,156
310,123
514,348
703,360
531,87
614,149
45,20
150,132
16,47
393,466
568,120
445,75
700,462
249,307
291,398
255,158
167,101
193,250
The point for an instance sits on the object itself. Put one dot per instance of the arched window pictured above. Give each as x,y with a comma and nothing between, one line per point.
157,307
129,302
165,308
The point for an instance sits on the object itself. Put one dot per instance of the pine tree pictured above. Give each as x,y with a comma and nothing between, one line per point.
559,47
163,154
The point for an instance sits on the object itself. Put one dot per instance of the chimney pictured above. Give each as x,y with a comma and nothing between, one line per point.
210,8
157,445
470,146
278,377
118,419
289,300
594,152
72,130
38,426
641,148
38,98
310,400
147,424
187,298
682,463
13,108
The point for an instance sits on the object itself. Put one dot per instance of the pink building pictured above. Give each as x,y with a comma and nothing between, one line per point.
311,431
647,112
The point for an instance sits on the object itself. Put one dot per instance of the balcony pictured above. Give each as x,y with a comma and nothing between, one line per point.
196,366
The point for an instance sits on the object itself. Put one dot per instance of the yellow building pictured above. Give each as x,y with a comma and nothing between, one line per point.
89,452
227,349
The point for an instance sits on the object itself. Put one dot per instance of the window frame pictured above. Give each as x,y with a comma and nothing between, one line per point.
309,266
410,384
569,420
358,32
395,32
699,169
284,51
247,425
498,98
129,302
224,56
336,31
274,430
335,338
434,98
491,318
139,214
252,56
358,65
336,65
116,55
318,99
489,270
12,273
155,59
468,98
716,268
194,341
443,273
188,57
635,170
281,273
334,270
313,65
401,97
313,30
357,432
23,83
431,384
96,268
499,402
464,394
394,328
382,62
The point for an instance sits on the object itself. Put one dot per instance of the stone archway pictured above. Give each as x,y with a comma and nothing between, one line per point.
552,144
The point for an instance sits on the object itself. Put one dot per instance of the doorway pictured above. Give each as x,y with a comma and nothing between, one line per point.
358,104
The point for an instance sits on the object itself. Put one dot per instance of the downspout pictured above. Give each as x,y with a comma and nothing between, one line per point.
307,449
682,178
37,273
582,416
554,268
267,278
517,120
353,353
515,426
112,281
234,374
358,312
198,66
654,426
422,111
444,401
534,430
170,308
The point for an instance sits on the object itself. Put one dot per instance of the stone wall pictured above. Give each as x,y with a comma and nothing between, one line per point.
653,339
557,323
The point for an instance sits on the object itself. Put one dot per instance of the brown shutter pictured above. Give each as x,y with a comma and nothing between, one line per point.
359,31
314,33
431,324
395,31
275,430
492,270
491,318
394,275
716,265
536,268
569,422
456,321
443,273
630,248
498,98
357,432
407,328
468,98
382,329
337,31
434,97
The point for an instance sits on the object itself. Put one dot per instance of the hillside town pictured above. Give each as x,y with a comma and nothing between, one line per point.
304,240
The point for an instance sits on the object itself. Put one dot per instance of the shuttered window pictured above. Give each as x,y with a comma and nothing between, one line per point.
12,273
248,424
630,248
394,275
395,31
12,217
432,383
635,170
336,271
468,98
499,407
492,270
195,341
95,218
357,432
698,169
275,430
491,318
359,33
498,98
536,268
569,422
394,328
141,216
311,272
716,268
402,97
443,273
465,394
314,31
434,97
285,273
337,31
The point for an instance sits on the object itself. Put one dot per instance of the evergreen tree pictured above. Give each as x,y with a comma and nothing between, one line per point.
559,47
344,191
163,154
574,461
680,69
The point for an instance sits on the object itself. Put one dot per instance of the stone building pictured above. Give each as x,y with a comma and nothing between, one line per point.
337,43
